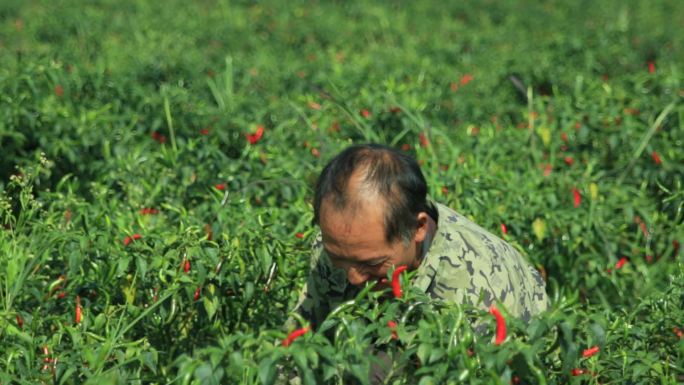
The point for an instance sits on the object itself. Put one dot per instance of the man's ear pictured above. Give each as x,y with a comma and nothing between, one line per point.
422,226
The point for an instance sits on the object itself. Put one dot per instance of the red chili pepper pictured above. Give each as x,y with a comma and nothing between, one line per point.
500,325
393,328
547,169
396,285
220,186
59,90
569,160
20,321
197,293
504,229
315,153
465,79
186,266
299,235
130,239
620,263
424,142
405,147
578,372
656,157
576,196
642,225
256,137
651,67
590,352
294,335
204,131
78,310
365,113
564,137
158,137
678,332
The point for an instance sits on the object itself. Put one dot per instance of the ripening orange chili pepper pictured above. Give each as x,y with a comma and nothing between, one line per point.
424,142
294,335
47,358
393,328
465,79
396,285
78,310
500,325
20,322
590,352
209,232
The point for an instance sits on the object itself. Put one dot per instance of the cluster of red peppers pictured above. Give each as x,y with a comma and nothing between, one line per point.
392,325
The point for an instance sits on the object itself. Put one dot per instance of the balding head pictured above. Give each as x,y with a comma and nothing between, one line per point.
377,175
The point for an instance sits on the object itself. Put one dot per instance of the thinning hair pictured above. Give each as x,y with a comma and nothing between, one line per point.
392,176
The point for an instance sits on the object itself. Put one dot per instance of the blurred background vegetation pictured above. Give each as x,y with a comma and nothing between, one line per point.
513,108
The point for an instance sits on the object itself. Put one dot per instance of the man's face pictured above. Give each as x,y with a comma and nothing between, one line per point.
354,239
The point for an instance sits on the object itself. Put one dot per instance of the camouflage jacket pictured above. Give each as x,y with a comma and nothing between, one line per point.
464,264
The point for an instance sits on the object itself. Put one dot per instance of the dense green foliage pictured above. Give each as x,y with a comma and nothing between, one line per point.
130,191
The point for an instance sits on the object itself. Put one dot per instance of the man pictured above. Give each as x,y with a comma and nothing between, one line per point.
371,205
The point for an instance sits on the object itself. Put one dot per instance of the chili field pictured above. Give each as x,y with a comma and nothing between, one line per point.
157,163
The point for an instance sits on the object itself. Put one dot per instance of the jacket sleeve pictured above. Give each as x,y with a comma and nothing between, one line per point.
325,286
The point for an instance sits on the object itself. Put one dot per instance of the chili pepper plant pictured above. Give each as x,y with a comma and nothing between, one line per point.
157,164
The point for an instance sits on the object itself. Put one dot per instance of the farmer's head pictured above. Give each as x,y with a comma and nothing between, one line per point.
370,203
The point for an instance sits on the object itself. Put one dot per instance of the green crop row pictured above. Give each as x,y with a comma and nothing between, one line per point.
157,163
